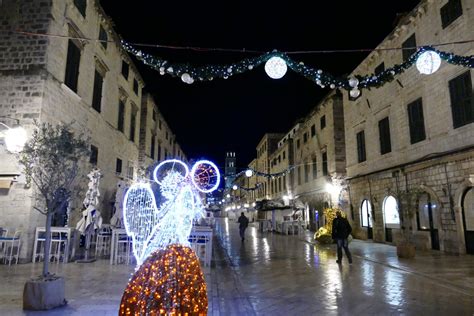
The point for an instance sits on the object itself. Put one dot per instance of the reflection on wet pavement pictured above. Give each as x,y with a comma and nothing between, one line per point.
272,274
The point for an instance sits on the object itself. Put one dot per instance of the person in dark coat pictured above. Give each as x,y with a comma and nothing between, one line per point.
243,223
341,229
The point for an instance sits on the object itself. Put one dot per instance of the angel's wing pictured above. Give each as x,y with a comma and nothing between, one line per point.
141,215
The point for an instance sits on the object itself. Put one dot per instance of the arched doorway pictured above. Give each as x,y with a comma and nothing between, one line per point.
365,217
427,218
468,219
391,216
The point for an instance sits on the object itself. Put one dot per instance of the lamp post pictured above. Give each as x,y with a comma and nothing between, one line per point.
15,138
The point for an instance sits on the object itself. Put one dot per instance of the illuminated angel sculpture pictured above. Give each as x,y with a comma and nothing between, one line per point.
166,265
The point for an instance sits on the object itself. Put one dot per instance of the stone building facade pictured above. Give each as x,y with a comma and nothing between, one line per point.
410,144
319,158
267,145
93,84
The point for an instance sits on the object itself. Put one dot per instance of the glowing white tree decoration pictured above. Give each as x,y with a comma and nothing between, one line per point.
152,227
275,67
15,138
428,62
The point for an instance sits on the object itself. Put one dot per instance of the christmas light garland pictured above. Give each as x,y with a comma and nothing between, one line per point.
189,74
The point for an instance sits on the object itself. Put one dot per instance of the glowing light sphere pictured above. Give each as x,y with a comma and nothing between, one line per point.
165,166
428,62
205,176
185,77
275,67
354,93
353,82
234,187
248,173
15,139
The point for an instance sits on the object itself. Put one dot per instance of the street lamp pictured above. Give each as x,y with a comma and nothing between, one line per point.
15,138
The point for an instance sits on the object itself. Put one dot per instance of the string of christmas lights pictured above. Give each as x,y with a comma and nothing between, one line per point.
426,58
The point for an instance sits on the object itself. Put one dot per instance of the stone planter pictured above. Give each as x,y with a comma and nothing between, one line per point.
44,293
406,250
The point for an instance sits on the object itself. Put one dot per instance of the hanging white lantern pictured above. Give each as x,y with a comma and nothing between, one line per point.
248,173
15,139
354,93
234,187
428,62
185,77
353,82
275,67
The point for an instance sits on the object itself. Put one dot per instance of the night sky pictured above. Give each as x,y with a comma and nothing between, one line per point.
210,118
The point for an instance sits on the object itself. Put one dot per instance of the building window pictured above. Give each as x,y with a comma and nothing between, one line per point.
322,121
416,121
305,138
313,130
365,214
409,47
426,217
379,69
299,175
72,65
384,136
81,5
298,143
118,166
306,172
450,12
284,154
153,116
121,116
135,86
152,147
133,122
284,183
94,157
159,124
315,168
159,152
166,135
103,37
130,170
325,163
279,184
97,93
361,146
390,212
462,102
125,69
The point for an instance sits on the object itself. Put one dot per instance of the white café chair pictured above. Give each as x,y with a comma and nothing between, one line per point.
9,244
38,251
103,239
59,242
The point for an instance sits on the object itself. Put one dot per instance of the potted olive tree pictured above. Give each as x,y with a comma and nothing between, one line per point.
51,162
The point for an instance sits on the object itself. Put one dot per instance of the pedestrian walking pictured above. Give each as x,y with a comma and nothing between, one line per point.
243,223
341,229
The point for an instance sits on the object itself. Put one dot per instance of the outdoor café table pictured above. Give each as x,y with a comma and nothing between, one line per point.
69,231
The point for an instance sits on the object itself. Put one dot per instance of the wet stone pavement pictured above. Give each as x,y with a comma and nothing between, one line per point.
273,274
